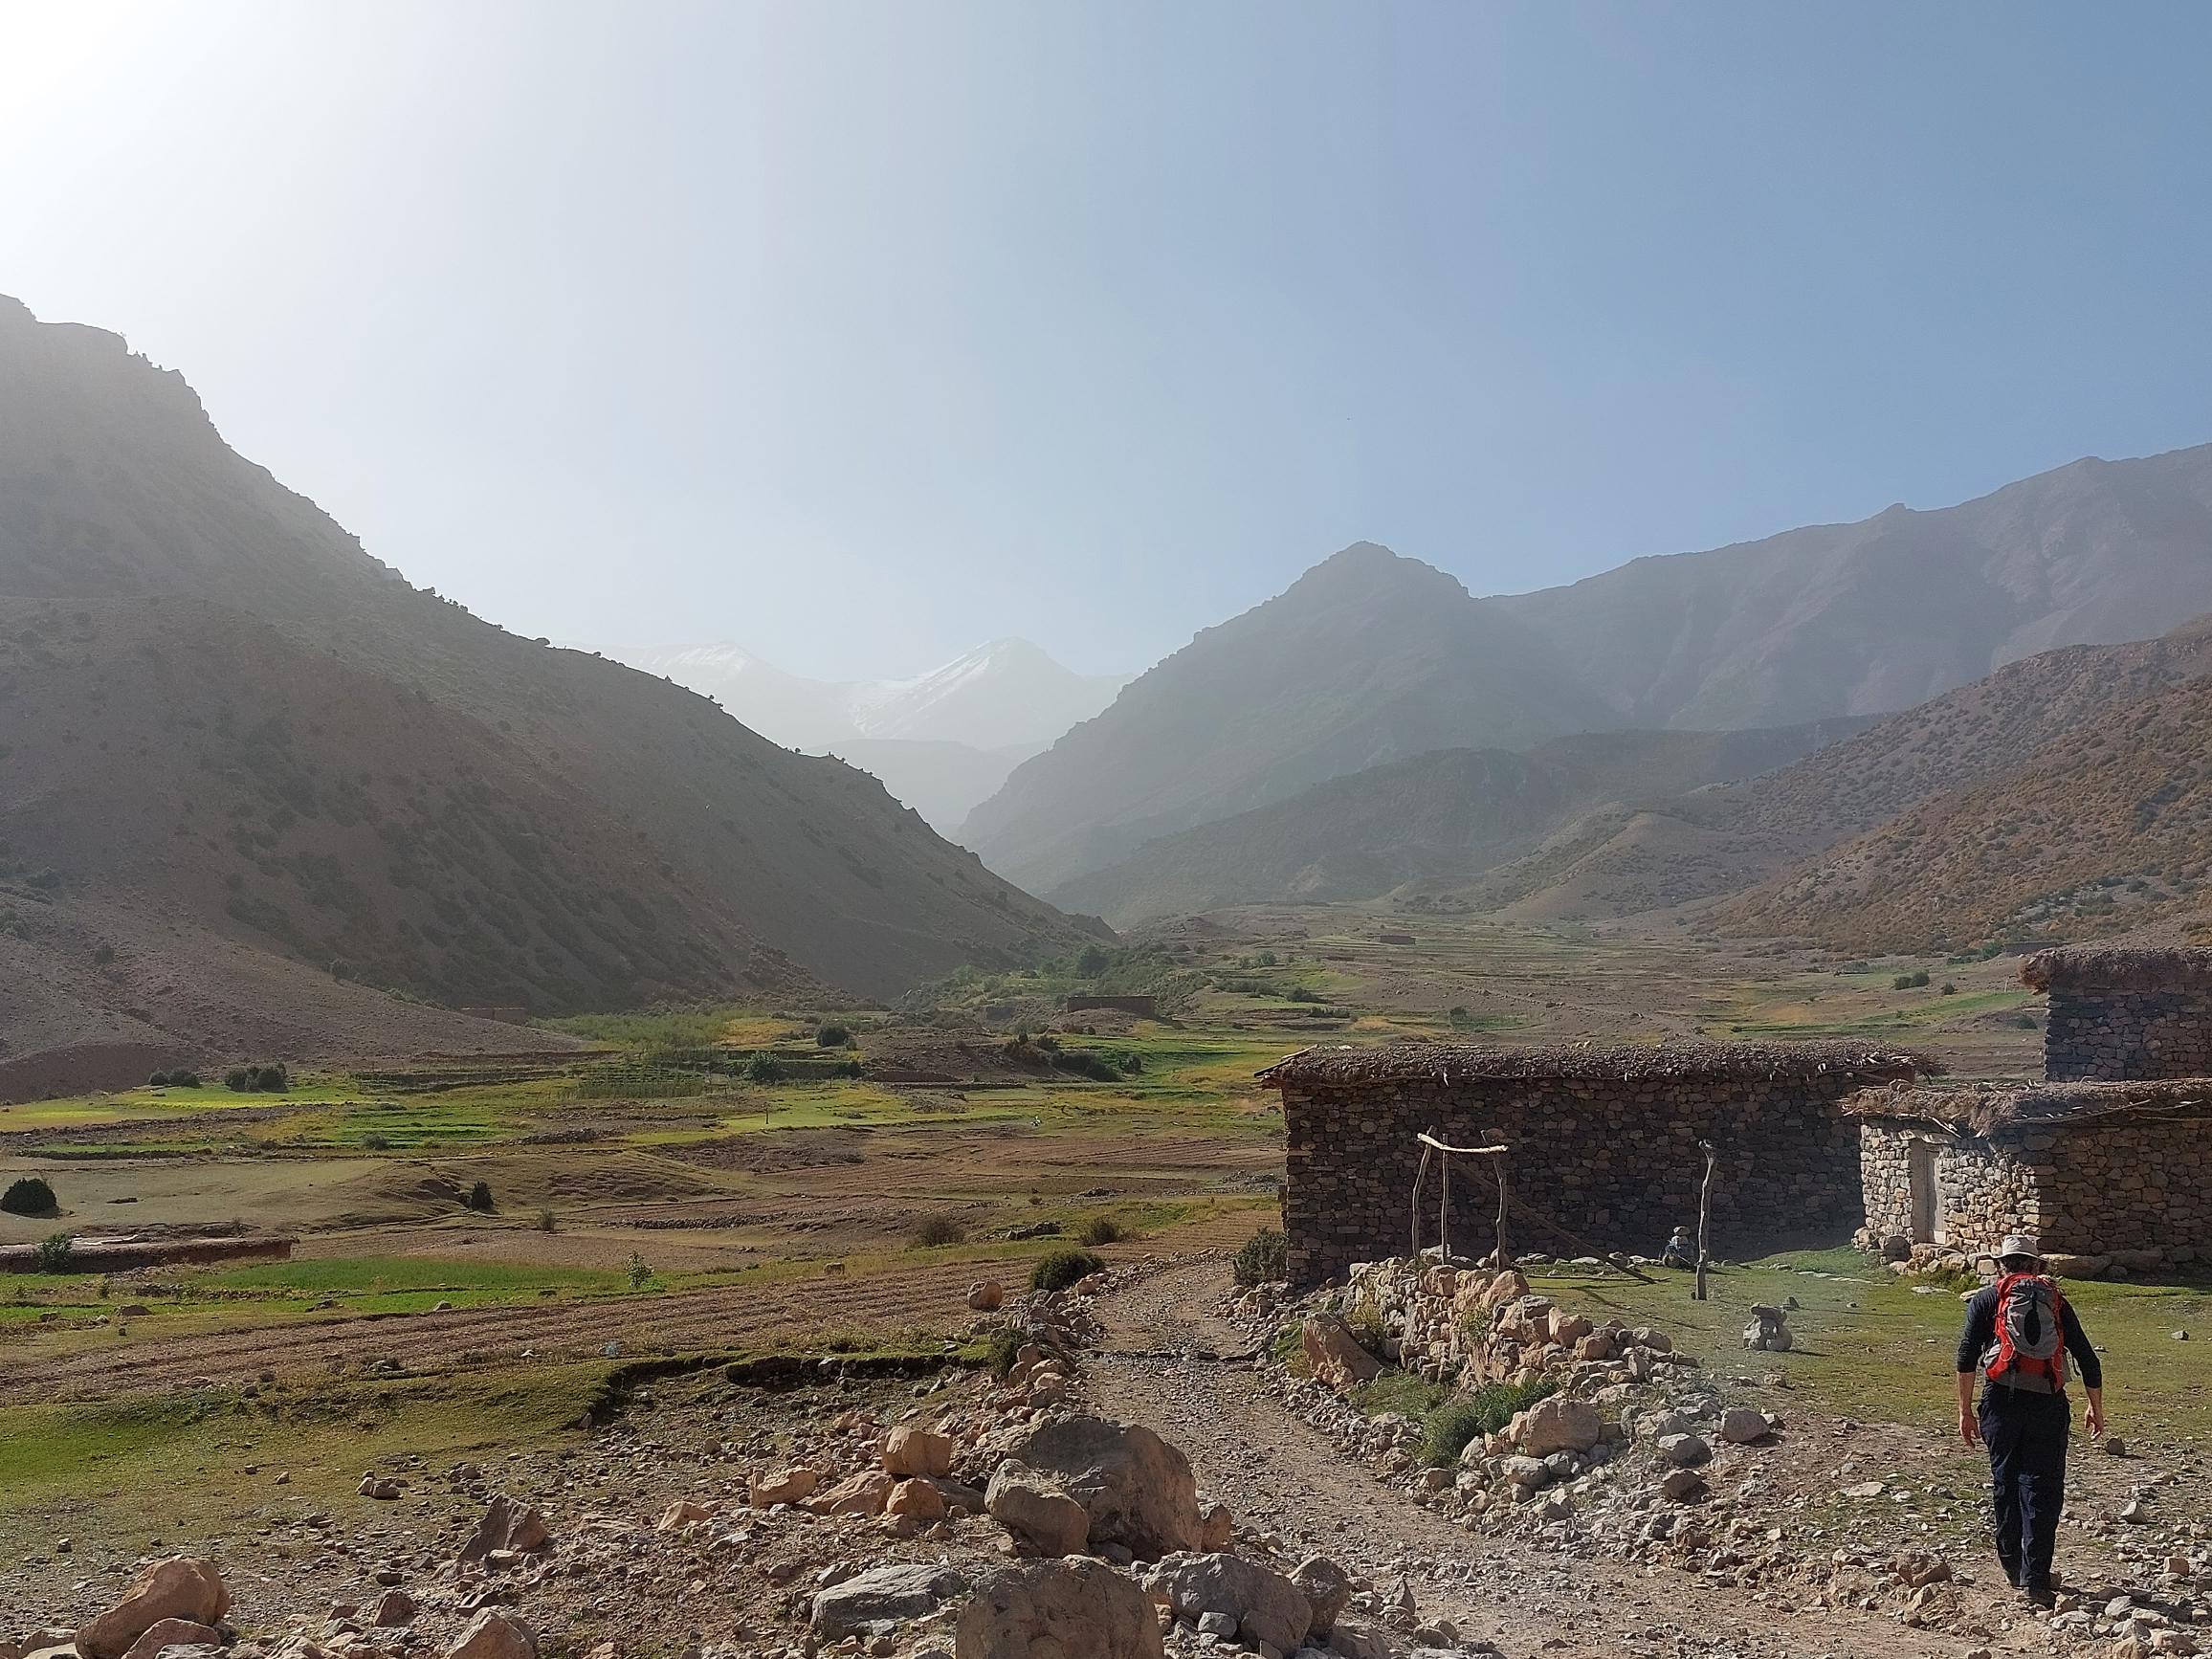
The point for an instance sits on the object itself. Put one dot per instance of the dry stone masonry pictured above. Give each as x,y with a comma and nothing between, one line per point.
2124,1015
1602,1140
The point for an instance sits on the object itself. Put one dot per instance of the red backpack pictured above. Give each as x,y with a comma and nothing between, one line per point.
2030,1351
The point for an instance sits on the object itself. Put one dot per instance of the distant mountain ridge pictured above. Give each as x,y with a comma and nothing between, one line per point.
1368,658
226,724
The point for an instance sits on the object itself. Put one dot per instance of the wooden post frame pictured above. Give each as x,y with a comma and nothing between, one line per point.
1704,1211
1443,1153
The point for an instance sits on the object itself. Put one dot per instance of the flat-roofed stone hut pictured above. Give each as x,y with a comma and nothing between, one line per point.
2120,1014
1601,1139
2099,1172
2107,1161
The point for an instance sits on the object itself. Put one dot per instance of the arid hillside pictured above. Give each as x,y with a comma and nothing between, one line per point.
217,707
1442,817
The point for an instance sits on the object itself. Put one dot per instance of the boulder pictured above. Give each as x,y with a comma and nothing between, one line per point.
177,1587
917,1498
1327,1588
781,1485
1685,1450
1741,1425
877,1602
863,1493
1565,1327
1038,1513
1137,1489
681,1513
174,1633
1073,1609
1333,1354
394,1610
496,1633
910,1449
1267,1607
1216,1526
1683,1485
986,1295
507,1525
1556,1423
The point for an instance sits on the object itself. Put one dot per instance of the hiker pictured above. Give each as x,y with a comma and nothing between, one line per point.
2022,1337
1679,1252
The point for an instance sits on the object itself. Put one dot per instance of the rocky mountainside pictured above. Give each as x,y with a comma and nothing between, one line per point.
1866,618
1654,853
1439,818
1366,658
225,720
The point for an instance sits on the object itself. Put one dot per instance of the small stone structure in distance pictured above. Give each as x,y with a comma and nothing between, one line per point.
2107,1162
1604,1141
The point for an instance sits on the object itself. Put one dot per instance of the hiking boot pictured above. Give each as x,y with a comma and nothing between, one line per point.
2042,1596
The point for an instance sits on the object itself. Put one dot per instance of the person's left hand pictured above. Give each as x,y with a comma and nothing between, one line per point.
2093,1419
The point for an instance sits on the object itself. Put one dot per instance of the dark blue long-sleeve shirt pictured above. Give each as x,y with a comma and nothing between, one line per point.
1981,1331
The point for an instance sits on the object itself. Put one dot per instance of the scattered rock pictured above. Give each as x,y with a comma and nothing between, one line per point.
781,1485
1038,1513
1557,1425
174,1633
1741,1425
909,1451
1137,1489
496,1633
1333,1354
877,1602
986,1295
1685,1450
1080,1607
179,1587
507,1525
1266,1606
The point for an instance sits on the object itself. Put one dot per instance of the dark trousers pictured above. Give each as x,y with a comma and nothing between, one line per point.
2026,1435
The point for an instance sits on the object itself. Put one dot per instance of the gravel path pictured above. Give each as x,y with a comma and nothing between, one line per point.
1282,1476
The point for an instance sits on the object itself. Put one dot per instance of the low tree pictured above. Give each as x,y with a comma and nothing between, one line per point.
30,1196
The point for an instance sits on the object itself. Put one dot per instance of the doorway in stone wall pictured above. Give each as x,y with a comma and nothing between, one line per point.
1927,1210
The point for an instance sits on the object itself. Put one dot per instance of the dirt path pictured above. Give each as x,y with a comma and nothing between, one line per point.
1285,1477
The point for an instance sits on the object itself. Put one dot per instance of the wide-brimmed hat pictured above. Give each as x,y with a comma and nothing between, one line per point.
2019,1244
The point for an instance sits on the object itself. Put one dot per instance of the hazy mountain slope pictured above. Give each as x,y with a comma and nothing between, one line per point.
1005,694
943,781
1444,816
1366,658
387,778
1720,841
1886,613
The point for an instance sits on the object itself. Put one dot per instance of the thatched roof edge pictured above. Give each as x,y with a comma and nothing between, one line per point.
1409,1061
1991,1109
2115,968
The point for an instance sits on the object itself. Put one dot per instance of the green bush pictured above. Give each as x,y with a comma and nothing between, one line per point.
53,1255
934,1231
239,1079
1263,1257
766,1068
1006,1346
832,1037
1084,1063
272,1079
1099,1229
1449,1428
1910,981
1064,1268
28,1196
479,1198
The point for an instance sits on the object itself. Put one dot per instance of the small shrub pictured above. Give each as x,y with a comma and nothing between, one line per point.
1263,1257
53,1255
766,1068
272,1079
1289,1349
1006,1347
1099,1229
374,1142
1084,1063
1365,1322
1449,1428
1910,981
833,1037
159,1081
28,1196
546,1221
934,1231
239,1079
1947,989
1064,1268
184,1077
640,1271
479,1198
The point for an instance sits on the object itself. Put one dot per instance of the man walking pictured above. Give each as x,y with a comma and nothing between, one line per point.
2022,1337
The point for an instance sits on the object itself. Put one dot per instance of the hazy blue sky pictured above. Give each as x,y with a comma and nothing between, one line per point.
860,333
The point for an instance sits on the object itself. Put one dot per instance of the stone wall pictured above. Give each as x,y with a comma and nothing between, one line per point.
2087,1190
1615,1160
1981,1191
2123,1035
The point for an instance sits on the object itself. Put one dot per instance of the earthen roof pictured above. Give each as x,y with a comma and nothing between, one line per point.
1991,1109
2078,967
1422,1061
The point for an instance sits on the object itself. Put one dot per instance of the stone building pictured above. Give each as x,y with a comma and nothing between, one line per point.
2124,1015
2107,1161
1602,1140
2102,1173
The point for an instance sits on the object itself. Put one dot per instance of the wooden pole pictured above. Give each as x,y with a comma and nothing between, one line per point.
1444,1212
1704,1211
1504,1201
1418,1175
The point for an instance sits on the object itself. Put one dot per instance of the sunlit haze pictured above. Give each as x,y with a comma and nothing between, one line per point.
861,334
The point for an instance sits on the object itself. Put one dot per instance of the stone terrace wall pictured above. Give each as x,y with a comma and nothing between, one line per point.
1982,1192
2121,1186
1615,1160
2124,1035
